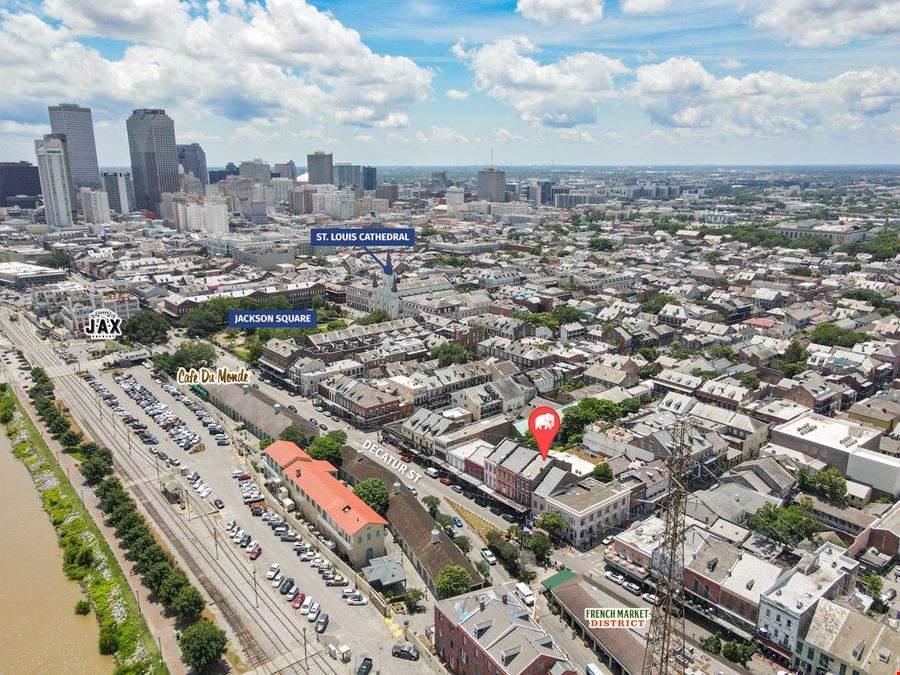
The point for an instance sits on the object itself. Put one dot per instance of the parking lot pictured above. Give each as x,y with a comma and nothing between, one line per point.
360,626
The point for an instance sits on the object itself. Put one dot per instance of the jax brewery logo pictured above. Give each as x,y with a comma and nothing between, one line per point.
103,324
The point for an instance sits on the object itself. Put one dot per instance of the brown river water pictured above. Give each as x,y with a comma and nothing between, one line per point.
39,630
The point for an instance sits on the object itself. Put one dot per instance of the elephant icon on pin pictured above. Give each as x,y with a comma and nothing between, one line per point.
546,421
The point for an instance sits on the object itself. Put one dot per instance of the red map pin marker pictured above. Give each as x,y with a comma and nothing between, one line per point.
544,425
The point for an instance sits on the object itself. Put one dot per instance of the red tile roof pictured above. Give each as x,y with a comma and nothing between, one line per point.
315,478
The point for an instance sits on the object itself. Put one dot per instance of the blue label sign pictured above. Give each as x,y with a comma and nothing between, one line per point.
272,318
356,236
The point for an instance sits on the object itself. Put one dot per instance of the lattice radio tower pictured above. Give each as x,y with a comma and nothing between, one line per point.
665,637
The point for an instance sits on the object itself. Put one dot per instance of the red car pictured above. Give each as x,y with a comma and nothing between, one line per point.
298,601
255,553
244,476
405,458
446,481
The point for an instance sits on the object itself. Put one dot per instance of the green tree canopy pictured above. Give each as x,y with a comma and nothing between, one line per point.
374,493
540,546
373,317
658,301
553,522
328,447
189,354
202,644
147,328
293,434
450,353
602,472
188,604
832,335
452,580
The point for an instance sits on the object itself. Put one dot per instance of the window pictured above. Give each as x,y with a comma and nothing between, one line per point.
810,653
359,539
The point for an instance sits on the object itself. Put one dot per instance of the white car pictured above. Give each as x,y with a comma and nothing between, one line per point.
607,541
277,579
205,493
488,556
313,612
357,601
651,598
304,608
251,545
238,536
273,570
615,578
236,473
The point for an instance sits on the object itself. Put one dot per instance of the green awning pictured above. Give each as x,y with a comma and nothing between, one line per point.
558,579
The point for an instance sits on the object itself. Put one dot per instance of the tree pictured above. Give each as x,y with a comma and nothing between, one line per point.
70,439
791,524
202,644
431,502
373,317
156,574
265,443
462,543
171,587
108,640
873,584
600,244
602,472
293,434
327,447
452,580
58,260
146,328
374,493
658,301
95,469
750,381
738,652
553,522
830,334
649,353
413,598
449,353
190,354
829,484
712,643
188,605
443,520
254,352
58,426
484,570
540,546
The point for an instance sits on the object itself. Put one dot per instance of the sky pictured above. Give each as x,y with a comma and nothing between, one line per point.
459,82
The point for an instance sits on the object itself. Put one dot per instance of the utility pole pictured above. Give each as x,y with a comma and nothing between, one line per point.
255,591
665,638
305,658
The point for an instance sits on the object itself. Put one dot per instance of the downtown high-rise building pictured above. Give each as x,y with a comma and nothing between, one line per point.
119,191
320,168
492,185
286,169
348,175
18,178
95,204
154,156
77,124
256,170
369,177
193,160
56,184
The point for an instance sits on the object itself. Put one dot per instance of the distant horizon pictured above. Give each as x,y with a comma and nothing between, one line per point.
222,167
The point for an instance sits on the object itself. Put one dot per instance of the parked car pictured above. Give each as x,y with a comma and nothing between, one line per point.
255,553
313,612
651,598
607,541
457,521
405,458
405,651
489,557
304,608
365,667
632,588
615,578
298,601
321,623
445,480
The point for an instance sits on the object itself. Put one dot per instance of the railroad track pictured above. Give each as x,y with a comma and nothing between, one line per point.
94,422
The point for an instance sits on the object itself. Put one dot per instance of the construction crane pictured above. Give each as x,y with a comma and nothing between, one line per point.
665,637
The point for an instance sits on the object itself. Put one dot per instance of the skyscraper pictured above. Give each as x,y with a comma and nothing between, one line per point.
286,169
256,170
95,204
119,191
320,167
193,159
492,185
18,178
56,185
348,175
78,126
154,157
369,177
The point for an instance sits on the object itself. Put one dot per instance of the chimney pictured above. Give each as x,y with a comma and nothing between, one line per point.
435,536
481,605
504,598
297,472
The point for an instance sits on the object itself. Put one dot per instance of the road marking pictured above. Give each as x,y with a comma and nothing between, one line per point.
392,626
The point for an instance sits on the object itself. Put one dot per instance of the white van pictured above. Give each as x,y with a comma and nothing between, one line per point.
431,471
593,669
525,593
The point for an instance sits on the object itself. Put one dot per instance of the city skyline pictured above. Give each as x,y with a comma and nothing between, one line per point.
533,82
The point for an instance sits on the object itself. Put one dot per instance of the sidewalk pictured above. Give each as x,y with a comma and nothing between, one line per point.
161,626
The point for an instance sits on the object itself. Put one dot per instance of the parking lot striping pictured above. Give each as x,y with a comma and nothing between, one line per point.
392,626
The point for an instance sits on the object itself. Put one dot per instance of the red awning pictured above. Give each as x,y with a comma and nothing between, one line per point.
781,651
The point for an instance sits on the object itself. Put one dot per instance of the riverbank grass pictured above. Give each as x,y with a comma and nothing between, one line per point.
86,555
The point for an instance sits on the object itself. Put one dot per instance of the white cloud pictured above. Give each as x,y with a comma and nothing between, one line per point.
645,6
457,95
364,138
239,60
549,12
577,136
681,93
505,135
814,23
20,128
564,93
732,64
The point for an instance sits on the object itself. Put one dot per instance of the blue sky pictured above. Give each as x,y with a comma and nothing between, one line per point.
440,82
